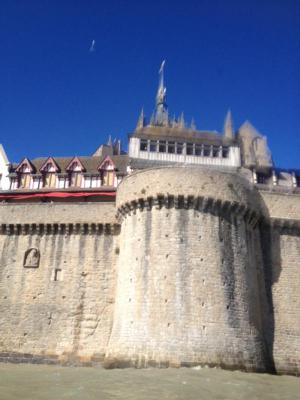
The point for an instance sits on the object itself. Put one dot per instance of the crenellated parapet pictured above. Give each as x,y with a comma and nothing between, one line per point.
60,229
203,189
222,208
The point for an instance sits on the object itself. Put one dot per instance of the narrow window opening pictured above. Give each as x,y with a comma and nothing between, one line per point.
225,152
261,178
153,146
143,145
162,146
189,149
179,148
206,151
57,275
171,147
215,152
198,150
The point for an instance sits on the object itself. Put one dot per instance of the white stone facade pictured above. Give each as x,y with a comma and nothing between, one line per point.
232,159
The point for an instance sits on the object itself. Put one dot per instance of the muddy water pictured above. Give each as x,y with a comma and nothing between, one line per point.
40,382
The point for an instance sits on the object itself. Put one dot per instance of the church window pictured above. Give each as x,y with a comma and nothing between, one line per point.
215,152
179,148
153,145
171,147
189,149
198,150
261,178
162,146
143,145
225,152
206,151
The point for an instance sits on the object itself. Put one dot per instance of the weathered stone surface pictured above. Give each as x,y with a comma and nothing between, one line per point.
200,268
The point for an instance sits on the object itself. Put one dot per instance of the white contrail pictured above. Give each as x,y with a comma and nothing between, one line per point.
93,46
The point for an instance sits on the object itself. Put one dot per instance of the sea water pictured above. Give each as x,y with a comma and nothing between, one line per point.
42,382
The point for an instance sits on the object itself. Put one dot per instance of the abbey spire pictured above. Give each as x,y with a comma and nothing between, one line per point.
228,129
161,110
141,120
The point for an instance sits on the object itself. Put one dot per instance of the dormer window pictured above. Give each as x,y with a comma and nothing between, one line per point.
49,170
75,179
107,172
24,178
49,178
75,170
24,171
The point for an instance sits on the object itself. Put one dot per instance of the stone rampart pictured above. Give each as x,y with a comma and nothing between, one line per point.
188,292
198,267
281,248
57,269
57,213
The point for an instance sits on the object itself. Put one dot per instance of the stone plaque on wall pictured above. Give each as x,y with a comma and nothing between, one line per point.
31,258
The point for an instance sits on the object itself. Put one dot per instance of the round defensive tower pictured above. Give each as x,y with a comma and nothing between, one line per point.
188,282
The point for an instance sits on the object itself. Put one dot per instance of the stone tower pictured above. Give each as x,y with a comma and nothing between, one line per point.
188,283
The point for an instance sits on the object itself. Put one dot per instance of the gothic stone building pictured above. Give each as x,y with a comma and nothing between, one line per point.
184,251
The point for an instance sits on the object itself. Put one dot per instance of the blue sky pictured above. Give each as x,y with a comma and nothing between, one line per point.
57,98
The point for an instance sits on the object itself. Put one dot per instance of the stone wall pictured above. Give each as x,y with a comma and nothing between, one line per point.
57,213
282,206
189,290
60,310
199,267
281,246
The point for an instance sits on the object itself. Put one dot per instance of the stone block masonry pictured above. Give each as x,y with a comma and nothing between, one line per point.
190,266
60,311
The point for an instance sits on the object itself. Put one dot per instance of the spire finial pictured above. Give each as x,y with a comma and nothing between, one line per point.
161,74
141,120
181,121
193,124
109,142
228,130
161,112
161,92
